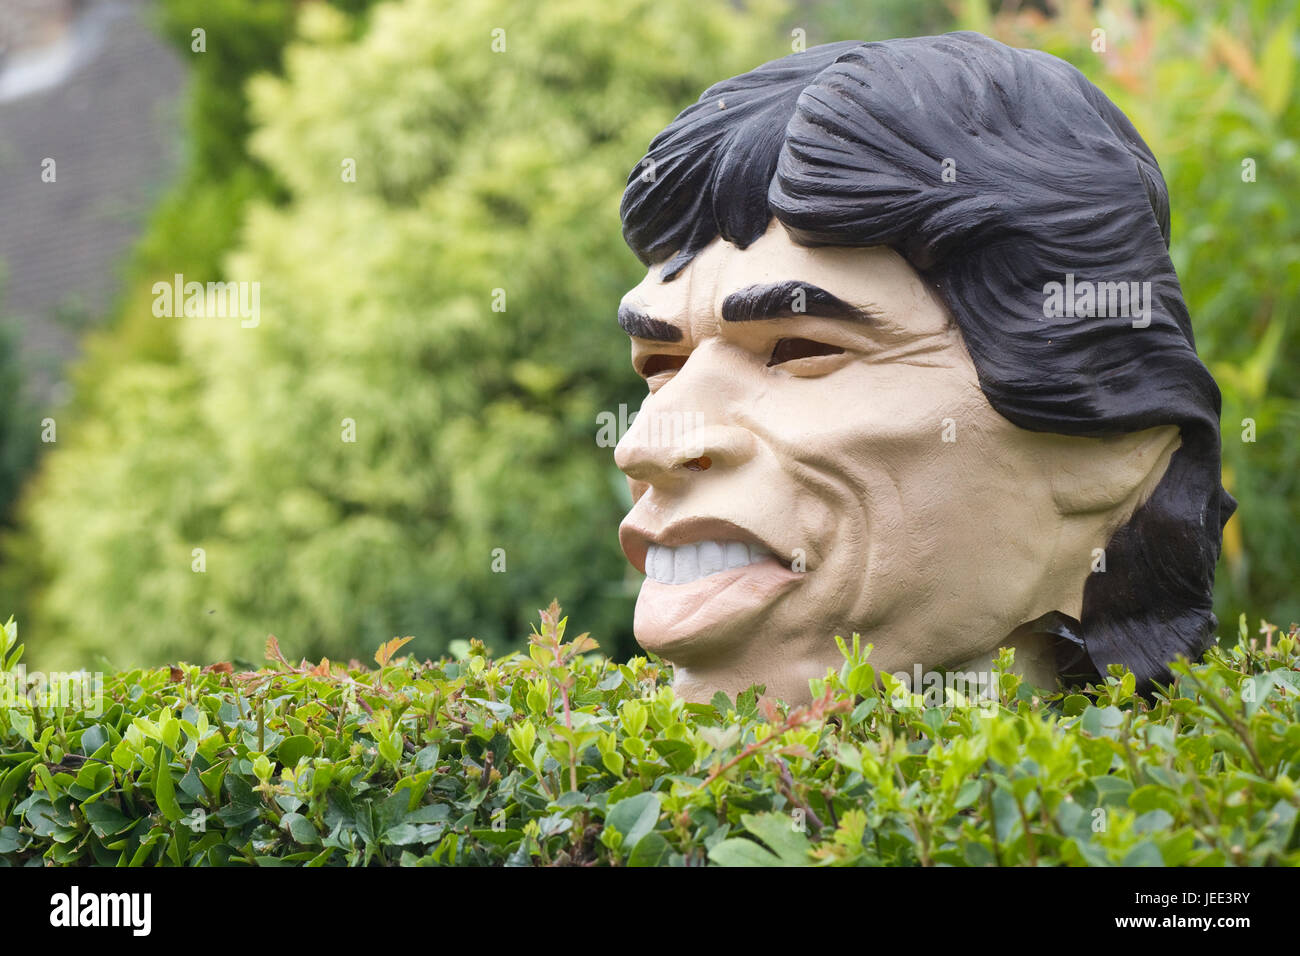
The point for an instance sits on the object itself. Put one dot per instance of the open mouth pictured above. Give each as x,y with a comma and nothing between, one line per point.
707,579
687,563
694,548
699,598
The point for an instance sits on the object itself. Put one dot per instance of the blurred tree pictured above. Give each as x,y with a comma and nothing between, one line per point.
190,231
832,20
18,422
451,306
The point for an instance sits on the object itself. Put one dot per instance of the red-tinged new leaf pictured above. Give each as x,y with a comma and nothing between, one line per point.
770,711
389,648
273,651
584,643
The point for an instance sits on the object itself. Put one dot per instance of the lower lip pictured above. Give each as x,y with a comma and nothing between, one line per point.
671,618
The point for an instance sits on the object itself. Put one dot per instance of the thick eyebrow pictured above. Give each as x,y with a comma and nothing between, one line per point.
641,326
786,300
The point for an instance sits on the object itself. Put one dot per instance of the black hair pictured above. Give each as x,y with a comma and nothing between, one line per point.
847,144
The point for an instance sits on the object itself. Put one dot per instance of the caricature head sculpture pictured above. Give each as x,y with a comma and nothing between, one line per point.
920,369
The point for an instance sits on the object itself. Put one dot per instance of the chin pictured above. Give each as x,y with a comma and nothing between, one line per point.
713,618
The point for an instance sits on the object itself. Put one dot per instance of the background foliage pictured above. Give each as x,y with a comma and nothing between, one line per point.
475,429
475,171
17,438
562,757
192,228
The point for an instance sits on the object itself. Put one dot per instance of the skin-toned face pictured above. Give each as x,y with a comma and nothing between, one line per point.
815,457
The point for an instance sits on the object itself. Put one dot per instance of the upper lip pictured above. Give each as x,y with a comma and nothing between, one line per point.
636,540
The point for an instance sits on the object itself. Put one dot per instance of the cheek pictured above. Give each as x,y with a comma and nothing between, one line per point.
862,424
888,463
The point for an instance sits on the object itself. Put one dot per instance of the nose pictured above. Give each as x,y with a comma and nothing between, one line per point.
683,431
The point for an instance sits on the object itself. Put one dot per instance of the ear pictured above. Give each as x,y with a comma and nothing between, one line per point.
1089,475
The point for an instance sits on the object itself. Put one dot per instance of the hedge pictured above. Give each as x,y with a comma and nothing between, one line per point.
562,757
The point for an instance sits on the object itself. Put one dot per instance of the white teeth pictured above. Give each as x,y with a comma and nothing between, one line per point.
737,555
690,562
659,563
711,559
686,563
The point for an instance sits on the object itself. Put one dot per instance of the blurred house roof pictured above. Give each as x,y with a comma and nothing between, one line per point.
87,84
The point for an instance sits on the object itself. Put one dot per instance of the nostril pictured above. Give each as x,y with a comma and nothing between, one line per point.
703,463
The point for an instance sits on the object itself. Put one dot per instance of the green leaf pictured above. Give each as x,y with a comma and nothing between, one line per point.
1145,853
1277,68
164,790
1075,704
1112,791
10,840
1154,821
212,777
105,819
779,832
740,852
679,754
1102,721
651,850
1145,799
300,828
15,778
634,817
92,739
293,749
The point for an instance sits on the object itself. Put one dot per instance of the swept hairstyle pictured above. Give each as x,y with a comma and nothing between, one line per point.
846,144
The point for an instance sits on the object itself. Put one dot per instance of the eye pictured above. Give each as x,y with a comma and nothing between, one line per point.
787,350
662,363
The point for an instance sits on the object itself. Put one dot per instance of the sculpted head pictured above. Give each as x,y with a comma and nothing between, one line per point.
919,368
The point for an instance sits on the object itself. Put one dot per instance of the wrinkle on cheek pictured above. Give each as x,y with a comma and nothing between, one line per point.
884,495
836,508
